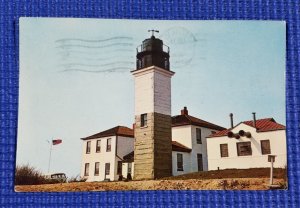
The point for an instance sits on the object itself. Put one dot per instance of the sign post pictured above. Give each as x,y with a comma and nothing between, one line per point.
271,159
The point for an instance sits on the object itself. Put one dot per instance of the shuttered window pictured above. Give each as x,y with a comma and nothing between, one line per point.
265,147
244,148
224,150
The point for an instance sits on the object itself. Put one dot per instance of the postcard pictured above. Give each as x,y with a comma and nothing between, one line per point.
108,105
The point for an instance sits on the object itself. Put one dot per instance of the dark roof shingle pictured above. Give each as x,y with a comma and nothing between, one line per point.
182,120
116,131
129,157
176,146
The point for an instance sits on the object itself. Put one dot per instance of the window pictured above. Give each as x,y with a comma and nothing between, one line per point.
119,169
98,146
179,162
244,148
88,147
107,168
224,150
144,120
200,162
108,145
198,136
96,173
265,147
86,169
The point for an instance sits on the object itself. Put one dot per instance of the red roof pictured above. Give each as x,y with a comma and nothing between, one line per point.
266,124
176,146
116,131
182,120
262,125
220,133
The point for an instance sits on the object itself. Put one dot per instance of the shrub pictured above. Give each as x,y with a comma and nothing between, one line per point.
28,175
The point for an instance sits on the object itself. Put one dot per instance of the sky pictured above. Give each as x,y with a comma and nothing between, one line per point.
75,78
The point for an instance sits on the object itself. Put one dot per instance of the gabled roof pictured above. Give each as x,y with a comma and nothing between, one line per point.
262,125
129,157
182,120
176,146
266,124
116,131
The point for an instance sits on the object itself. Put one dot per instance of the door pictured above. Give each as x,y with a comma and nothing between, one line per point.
200,162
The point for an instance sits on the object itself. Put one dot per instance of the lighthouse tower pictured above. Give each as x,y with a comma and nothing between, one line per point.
152,81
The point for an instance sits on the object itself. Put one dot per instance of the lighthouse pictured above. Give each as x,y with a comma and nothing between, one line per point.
152,132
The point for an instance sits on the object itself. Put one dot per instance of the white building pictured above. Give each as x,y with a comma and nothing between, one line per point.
116,148
103,153
247,145
190,132
197,145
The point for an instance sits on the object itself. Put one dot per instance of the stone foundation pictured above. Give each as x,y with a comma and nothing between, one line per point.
153,147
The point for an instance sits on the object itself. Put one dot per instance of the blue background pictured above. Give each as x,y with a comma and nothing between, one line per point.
157,9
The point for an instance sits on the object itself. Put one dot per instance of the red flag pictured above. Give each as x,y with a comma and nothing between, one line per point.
56,141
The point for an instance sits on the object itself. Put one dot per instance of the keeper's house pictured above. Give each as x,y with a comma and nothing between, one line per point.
247,145
102,153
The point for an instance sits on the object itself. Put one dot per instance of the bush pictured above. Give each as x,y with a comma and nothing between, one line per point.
28,175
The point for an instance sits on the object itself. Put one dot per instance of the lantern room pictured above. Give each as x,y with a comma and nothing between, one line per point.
152,52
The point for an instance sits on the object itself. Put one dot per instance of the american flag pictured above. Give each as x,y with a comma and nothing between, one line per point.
56,141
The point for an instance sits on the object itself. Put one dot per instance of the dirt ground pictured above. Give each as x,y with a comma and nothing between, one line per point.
232,173
250,179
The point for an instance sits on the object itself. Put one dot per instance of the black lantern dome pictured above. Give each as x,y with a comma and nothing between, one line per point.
153,52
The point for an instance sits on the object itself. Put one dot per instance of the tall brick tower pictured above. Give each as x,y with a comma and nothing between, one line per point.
153,142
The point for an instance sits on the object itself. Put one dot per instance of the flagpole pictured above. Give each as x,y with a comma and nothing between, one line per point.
50,156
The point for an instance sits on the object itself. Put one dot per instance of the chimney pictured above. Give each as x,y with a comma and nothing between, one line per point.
184,111
133,127
254,120
231,120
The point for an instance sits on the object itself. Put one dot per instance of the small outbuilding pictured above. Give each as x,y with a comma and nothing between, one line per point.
247,145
